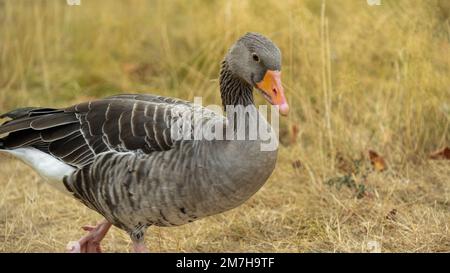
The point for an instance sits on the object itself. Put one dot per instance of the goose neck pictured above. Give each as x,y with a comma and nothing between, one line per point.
234,90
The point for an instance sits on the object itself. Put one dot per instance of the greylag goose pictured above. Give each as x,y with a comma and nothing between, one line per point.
119,155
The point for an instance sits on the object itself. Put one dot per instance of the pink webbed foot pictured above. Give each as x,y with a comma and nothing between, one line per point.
90,243
139,247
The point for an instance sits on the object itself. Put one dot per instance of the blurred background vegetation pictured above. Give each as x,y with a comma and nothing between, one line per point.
357,77
355,74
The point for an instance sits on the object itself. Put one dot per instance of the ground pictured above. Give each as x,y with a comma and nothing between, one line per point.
357,77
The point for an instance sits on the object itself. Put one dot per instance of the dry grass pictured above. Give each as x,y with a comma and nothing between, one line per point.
357,78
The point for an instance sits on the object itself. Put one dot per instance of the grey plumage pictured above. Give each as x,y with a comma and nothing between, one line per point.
127,166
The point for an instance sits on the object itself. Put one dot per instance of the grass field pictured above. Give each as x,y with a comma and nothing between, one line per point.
357,77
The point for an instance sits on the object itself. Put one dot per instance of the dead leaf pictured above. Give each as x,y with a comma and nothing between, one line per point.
392,215
443,153
377,161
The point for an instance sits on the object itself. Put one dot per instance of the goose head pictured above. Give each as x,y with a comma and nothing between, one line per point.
257,61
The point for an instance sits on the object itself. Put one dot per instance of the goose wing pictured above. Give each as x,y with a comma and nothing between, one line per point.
75,135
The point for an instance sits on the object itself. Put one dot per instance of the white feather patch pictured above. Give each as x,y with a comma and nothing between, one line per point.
46,165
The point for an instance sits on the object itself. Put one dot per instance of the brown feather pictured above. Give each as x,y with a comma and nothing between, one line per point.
21,139
59,132
64,147
53,120
16,125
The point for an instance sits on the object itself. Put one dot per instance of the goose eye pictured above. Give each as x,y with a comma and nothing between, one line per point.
255,57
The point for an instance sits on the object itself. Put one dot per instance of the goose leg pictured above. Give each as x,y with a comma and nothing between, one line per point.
139,247
138,242
90,243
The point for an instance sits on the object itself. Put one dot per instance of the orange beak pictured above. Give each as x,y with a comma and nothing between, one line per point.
273,91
